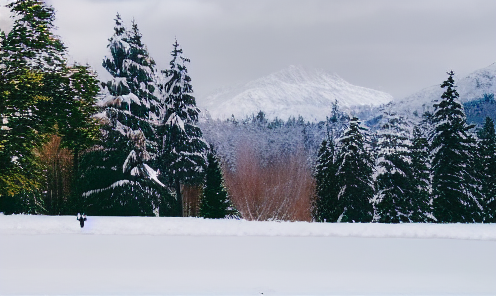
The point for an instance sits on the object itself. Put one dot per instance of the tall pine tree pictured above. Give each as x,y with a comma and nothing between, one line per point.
487,168
117,178
325,207
393,181
183,154
420,180
454,183
355,169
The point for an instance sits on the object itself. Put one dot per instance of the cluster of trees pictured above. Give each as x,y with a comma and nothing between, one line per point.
439,170
69,143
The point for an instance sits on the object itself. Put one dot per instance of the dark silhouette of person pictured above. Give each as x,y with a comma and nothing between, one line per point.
81,219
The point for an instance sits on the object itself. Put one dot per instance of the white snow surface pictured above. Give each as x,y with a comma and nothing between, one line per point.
289,93
52,255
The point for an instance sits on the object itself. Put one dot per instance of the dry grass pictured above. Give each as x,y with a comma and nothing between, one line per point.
279,190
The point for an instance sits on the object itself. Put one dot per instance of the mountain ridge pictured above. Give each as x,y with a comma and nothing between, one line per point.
291,92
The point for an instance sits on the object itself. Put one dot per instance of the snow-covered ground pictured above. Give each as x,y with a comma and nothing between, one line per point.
42,255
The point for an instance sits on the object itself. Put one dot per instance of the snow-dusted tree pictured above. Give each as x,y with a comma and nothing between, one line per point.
355,170
325,207
454,186
420,180
184,150
487,168
118,179
394,172
215,201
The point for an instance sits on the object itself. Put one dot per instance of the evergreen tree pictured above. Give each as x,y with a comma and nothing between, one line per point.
215,202
183,154
117,178
355,176
454,187
420,180
40,96
325,206
487,168
393,182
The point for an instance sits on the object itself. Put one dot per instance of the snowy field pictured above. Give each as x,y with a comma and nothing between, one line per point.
41,255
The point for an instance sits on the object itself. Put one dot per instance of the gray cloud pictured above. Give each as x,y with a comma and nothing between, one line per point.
395,46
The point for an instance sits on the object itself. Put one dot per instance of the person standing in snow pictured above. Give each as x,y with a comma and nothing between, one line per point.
81,219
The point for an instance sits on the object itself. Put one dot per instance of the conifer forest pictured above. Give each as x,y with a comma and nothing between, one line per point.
138,145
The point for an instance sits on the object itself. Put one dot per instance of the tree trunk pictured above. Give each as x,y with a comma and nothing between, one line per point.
179,197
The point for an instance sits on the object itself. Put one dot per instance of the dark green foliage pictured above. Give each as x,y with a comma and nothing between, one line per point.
325,207
355,176
215,202
454,184
393,183
183,154
116,177
487,168
420,180
39,96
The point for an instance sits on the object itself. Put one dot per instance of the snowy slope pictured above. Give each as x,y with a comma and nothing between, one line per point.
42,255
291,92
471,87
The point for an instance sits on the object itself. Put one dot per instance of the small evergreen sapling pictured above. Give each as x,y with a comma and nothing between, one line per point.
215,201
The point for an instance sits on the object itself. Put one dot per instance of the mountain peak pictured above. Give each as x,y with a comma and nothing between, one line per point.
291,92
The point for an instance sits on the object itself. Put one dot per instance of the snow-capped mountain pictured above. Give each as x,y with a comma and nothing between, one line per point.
471,87
291,92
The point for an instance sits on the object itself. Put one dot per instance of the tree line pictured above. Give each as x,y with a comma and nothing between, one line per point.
439,170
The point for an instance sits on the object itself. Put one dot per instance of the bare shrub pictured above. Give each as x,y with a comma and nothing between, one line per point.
281,189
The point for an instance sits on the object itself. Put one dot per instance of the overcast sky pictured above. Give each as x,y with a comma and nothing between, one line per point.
394,46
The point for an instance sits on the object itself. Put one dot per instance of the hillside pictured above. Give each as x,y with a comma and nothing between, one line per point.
470,87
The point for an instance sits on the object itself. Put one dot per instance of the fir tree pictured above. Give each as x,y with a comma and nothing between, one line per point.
454,186
215,202
487,168
420,180
393,182
355,176
325,206
117,178
183,154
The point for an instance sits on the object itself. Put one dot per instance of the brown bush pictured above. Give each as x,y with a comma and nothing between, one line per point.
279,190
